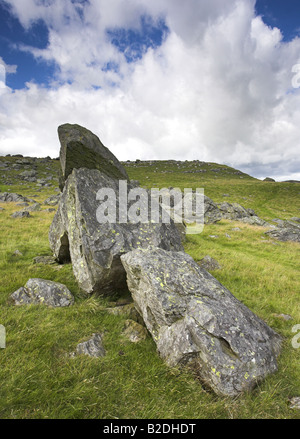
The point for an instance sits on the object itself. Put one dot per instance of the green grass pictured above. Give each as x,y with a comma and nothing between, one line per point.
38,377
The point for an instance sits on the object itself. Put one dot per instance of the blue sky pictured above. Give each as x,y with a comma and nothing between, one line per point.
164,79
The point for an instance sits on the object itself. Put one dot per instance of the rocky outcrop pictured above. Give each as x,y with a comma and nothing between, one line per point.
45,292
8,197
95,248
196,321
286,231
236,212
80,148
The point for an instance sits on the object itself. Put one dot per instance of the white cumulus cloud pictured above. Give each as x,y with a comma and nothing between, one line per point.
219,87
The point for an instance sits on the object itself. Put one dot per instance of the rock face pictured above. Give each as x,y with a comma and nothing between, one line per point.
286,231
46,292
80,148
95,248
195,320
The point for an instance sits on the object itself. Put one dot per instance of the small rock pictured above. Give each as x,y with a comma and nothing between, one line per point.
46,292
227,236
208,263
295,403
21,214
92,347
34,208
46,260
134,331
17,253
283,316
53,200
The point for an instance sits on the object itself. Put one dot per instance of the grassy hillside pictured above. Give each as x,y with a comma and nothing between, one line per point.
38,377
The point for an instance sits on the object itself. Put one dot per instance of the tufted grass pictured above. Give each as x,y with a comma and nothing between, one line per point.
40,380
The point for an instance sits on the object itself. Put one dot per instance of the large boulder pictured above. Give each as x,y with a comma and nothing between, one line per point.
196,321
80,148
95,248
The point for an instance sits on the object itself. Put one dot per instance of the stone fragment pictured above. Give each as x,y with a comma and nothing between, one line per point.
46,292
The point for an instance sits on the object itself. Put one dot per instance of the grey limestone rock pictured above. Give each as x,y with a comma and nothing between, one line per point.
41,291
196,321
92,347
286,231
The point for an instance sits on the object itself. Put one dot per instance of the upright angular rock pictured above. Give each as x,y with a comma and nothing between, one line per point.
95,248
80,148
195,320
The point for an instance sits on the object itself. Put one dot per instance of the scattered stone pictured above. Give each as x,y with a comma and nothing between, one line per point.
21,214
8,197
236,229
196,321
80,148
212,213
17,253
92,348
295,403
286,231
53,200
46,292
134,331
227,236
29,174
45,260
285,317
36,207
1,209
209,263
